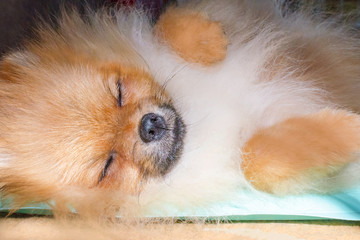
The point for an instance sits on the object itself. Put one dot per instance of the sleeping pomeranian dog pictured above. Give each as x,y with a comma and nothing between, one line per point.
218,95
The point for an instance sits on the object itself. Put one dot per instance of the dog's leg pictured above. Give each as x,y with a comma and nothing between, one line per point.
295,155
192,35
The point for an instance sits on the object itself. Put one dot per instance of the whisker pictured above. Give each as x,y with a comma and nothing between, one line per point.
198,122
175,73
139,186
171,77
166,129
141,173
133,151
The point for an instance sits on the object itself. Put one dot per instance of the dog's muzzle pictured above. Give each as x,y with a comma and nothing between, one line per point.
162,132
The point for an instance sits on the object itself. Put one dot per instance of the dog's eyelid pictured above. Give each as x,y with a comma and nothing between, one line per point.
108,163
120,102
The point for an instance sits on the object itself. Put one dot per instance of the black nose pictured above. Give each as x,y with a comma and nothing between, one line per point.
152,127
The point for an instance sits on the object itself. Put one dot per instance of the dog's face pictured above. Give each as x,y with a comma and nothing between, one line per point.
68,119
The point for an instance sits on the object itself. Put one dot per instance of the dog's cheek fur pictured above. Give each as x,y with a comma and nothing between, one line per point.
40,129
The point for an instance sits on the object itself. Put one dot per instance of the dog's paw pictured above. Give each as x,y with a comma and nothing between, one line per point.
192,35
300,154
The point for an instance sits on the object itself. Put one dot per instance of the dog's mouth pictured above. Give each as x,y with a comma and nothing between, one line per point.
162,135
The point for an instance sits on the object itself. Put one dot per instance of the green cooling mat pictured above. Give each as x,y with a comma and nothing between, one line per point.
255,206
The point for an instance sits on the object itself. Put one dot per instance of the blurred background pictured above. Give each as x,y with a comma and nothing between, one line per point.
18,17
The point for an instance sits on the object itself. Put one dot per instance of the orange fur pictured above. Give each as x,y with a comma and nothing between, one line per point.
61,120
193,36
301,149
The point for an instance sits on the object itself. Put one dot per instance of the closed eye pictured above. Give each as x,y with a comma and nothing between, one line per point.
120,102
108,163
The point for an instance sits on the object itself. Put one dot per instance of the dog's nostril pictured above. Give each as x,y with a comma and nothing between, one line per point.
152,127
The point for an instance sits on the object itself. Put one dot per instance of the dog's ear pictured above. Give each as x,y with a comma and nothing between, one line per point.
192,35
302,154
12,182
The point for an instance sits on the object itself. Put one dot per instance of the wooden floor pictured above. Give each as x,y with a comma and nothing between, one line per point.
48,228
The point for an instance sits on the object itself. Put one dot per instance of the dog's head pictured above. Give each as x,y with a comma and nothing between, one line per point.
71,115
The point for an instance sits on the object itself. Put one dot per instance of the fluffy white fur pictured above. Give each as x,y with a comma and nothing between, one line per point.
225,104
222,105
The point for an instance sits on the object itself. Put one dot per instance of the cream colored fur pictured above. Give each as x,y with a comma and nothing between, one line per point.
225,104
